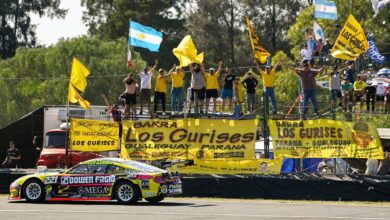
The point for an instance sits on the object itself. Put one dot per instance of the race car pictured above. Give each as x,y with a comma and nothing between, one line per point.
126,181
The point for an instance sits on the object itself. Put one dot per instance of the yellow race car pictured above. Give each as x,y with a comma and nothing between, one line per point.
126,181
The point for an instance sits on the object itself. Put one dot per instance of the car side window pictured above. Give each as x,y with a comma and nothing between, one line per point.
98,169
79,169
115,170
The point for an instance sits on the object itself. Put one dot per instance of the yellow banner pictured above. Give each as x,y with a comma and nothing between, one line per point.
188,139
254,166
351,41
324,139
93,136
259,52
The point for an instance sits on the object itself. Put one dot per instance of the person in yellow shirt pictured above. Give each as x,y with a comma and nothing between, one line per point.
212,85
268,83
177,77
359,89
160,90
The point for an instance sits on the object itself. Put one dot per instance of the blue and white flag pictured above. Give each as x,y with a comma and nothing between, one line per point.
143,36
325,9
373,52
318,32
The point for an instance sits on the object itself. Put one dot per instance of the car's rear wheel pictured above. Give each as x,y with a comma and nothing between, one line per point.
155,200
126,193
34,191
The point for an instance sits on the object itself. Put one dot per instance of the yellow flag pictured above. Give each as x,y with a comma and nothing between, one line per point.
78,77
74,97
260,53
351,41
187,53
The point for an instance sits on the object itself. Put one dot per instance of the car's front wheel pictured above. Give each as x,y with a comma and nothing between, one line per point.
126,193
155,200
34,191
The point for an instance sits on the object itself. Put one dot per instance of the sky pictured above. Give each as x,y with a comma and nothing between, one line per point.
49,31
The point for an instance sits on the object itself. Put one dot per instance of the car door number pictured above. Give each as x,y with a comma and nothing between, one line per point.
51,179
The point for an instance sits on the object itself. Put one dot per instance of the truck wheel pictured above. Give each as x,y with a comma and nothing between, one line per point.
155,200
34,191
126,193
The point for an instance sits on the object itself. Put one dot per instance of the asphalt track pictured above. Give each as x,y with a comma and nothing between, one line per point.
193,208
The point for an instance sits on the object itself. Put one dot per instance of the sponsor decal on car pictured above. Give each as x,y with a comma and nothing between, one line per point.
50,180
90,190
69,180
149,194
164,189
132,173
145,184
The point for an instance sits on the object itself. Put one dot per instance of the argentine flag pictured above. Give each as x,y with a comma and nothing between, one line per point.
325,9
143,36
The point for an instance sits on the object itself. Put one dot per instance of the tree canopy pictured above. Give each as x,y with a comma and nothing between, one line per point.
37,77
16,28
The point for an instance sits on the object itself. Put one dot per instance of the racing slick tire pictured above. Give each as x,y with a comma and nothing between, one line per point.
155,200
34,191
126,193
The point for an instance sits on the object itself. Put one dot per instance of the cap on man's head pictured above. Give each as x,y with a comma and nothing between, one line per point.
361,127
212,69
267,67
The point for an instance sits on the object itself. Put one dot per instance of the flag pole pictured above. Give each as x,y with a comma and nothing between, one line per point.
66,129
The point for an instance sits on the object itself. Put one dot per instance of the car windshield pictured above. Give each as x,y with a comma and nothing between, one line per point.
142,166
55,140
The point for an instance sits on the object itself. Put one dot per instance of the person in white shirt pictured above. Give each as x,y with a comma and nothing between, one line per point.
306,55
146,86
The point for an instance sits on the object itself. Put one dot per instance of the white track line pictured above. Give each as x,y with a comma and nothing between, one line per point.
198,214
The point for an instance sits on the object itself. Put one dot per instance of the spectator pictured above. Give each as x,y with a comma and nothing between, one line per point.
238,96
12,158
146,86
370,97
160,91
212,86
227,91
335,85
380,96
359,89
350,72
129,96
347,91
250,84
198,86
308,84
387,100
327,47
306,54
268,83
116,115
319,51
177,76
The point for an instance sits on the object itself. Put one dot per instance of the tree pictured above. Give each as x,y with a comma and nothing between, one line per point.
16,28
40,76
109,19
217,28
272,19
